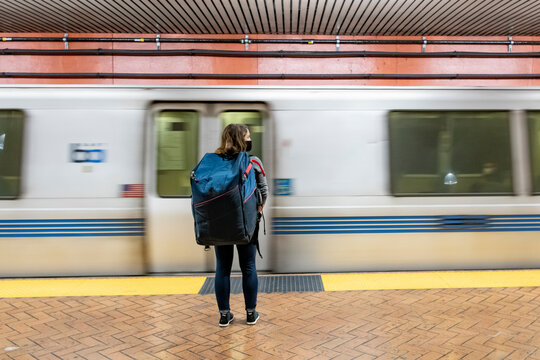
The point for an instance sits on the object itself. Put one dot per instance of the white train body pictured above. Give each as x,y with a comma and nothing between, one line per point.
326,154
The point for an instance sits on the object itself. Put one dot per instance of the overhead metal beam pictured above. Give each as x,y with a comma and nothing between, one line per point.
270,54
194,76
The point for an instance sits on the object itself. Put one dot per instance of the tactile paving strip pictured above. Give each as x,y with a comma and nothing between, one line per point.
272,283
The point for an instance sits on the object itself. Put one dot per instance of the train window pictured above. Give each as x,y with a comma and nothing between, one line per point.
533,118
11,132
450,153
253,120
177,151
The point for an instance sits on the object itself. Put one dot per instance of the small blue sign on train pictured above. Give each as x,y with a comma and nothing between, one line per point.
283,187
87,153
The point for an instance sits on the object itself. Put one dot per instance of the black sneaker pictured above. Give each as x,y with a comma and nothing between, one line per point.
252,317
226,318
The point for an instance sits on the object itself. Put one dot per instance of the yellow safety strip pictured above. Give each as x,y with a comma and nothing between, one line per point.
431,280
101,287
331,282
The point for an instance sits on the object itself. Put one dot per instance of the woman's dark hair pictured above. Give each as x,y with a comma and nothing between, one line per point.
232,139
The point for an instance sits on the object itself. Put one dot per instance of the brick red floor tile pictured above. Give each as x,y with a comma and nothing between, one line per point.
393,324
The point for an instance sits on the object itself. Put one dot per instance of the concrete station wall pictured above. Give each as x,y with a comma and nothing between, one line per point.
228,65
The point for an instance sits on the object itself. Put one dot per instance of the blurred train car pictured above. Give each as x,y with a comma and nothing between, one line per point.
95,180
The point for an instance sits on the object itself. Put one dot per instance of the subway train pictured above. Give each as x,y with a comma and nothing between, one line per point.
94,180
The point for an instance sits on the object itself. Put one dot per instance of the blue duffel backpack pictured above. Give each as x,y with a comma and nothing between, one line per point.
224,199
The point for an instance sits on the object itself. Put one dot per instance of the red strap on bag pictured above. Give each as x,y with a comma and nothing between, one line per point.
260,166
248,170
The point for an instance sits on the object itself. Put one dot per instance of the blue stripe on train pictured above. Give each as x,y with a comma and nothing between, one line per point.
54,226
74,234
283,232
29,221
435,217
71,227
337,222
404,224
435,227
68,230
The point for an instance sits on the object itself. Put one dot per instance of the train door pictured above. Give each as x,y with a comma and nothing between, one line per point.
177,137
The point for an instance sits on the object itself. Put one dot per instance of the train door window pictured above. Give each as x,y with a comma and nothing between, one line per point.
177,151
450,153
253,120
11,132
533,118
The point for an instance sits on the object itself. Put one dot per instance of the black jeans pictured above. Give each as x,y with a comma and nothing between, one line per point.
224,260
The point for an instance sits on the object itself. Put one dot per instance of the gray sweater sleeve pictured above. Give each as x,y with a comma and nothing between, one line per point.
260,176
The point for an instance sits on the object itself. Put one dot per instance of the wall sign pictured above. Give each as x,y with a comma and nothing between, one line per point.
283,187
87,152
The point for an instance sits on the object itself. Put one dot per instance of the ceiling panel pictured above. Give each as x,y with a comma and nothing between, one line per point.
301,17
330,22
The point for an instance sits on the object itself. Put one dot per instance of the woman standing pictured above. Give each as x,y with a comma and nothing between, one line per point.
234,139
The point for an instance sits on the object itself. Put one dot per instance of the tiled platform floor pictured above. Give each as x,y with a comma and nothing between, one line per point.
502,323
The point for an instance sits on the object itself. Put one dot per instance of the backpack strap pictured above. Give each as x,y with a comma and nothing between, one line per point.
260,166
248,170
256,243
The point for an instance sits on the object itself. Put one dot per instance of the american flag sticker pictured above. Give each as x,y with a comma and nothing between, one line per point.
132,190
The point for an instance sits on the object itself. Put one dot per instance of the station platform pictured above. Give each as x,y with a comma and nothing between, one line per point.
409,315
